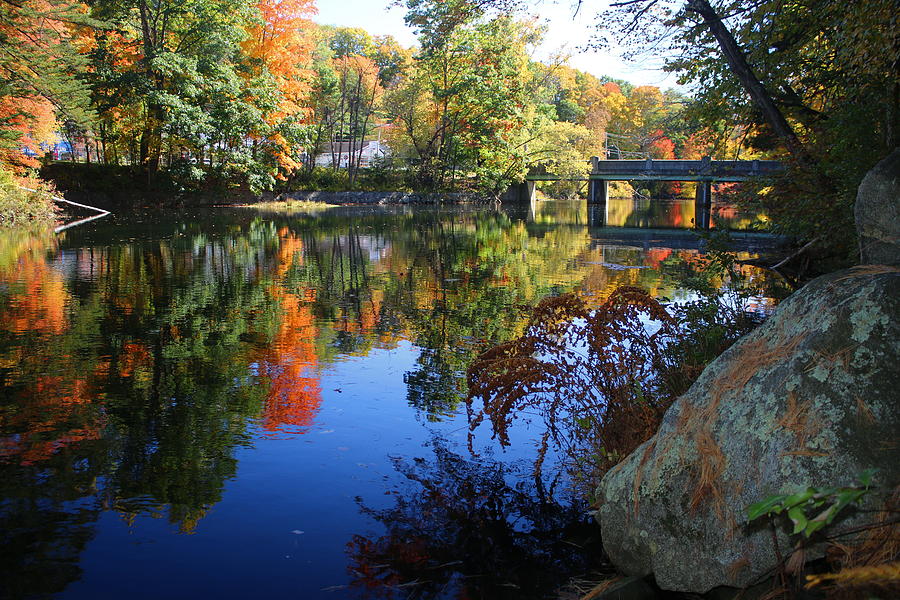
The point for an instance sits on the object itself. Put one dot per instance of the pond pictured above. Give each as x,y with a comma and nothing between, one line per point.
231,404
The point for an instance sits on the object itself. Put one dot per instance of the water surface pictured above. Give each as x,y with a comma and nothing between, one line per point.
229,404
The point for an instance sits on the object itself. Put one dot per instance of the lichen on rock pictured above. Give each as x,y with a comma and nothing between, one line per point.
808,399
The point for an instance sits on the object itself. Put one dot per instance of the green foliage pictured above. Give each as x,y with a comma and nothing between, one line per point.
563,149
195,91
466,108
349,41
39,59
322,178
186,175
830,69
23,207
814,508
377,178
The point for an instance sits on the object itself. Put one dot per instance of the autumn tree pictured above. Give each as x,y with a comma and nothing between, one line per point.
177,70
358,92
564,149
466,108
39,63
281,45
814,81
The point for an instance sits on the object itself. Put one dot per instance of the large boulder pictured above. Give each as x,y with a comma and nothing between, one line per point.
877,213
810,398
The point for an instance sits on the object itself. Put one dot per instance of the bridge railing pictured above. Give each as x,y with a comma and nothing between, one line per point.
704,167
670,170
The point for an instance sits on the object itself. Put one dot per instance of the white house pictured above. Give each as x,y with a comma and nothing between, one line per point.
339,152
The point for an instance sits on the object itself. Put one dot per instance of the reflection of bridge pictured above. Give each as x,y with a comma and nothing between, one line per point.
705,172
633,237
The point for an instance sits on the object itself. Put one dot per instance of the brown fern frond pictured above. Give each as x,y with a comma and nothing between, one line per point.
556,311
883,574
592,375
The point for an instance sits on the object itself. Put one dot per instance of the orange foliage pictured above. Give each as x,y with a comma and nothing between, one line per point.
134,355
125,50
49,405
697,146
42,306
53,411
290,247
358,71
34,118
291,361
661,146
369,312
284,44
612,88
655,256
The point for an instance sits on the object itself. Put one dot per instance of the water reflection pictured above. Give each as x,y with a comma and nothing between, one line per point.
140,359
471,528
671,213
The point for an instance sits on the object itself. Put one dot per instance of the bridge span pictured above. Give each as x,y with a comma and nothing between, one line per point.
705,172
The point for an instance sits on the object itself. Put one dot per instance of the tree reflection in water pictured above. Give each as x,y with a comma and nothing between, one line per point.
459,529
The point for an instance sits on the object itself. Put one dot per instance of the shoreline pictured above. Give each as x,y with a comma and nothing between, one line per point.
382,198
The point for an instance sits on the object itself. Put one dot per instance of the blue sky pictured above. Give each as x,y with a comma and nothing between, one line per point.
565,33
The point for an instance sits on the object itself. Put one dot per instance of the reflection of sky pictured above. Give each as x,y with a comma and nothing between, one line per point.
285,516
375,246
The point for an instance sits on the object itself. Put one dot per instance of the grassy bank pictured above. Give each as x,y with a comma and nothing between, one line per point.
288,206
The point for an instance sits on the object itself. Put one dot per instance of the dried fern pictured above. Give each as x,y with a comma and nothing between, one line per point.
594,376
884,574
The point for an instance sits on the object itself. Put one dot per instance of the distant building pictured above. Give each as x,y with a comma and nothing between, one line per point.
339,153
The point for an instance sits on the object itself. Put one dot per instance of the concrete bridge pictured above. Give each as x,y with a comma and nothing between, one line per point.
705,172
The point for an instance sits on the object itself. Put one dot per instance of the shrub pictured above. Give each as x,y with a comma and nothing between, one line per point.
602,379
19,206
595,377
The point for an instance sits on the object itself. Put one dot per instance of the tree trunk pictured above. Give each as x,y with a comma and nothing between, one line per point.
103,142
737,61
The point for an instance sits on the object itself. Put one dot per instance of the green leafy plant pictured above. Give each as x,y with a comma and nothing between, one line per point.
813,509
23,205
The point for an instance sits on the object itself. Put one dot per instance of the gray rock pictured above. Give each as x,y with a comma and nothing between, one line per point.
877,213
809,398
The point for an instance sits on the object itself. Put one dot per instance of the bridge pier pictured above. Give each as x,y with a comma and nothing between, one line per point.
598,215
703,205
598,191
520,193
526,192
